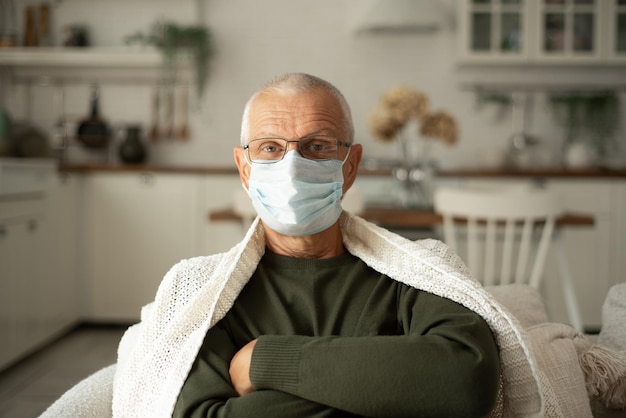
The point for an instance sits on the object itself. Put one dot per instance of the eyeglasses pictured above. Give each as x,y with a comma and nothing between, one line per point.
315,147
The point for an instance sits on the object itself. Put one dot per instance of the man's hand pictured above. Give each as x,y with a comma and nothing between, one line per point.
240,369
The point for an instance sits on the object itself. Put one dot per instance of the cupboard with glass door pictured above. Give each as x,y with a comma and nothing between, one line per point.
542,31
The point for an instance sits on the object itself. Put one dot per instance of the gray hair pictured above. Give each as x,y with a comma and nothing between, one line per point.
294,83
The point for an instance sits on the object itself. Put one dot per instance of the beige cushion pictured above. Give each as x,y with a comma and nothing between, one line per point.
562,379
523,301
613,332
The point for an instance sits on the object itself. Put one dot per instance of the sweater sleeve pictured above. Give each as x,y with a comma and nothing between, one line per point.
208,393
445,364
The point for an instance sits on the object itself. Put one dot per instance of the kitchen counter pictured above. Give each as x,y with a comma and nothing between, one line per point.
460,172
396,217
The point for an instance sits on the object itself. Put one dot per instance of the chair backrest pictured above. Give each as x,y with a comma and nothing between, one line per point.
509,228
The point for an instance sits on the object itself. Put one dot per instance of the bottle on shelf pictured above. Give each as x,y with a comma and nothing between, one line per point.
30,28
43,27
8,32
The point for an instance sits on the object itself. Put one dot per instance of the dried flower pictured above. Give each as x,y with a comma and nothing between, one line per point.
405,103
384,124
440,125
401,104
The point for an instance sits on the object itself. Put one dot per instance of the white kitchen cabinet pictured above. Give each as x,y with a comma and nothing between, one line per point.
61,280
8,348
39,287
617,30
542,31
20,277
137,226
589,250
493,31
219,194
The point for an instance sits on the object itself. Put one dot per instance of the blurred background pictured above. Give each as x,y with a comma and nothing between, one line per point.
119,117
453,51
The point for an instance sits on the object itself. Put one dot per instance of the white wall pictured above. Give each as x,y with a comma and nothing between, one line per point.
256,40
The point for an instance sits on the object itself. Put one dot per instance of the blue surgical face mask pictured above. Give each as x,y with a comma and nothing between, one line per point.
296,196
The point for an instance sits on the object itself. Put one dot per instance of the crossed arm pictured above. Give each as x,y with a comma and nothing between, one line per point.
239,369
446,364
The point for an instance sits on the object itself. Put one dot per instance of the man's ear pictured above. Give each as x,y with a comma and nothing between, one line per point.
351,166
242,165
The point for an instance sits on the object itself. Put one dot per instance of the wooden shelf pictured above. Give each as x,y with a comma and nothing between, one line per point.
119,57
117,65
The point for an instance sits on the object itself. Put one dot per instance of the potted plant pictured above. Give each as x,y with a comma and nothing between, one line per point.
590,120
175,41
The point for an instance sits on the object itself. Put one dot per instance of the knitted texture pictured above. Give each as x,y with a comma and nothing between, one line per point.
156,356
90,398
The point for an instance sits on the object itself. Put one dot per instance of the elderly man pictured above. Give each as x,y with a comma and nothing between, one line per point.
317,313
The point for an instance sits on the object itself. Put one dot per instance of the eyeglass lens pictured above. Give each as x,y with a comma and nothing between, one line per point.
274,149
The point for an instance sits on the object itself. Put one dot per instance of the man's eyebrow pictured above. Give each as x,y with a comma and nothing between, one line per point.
323,131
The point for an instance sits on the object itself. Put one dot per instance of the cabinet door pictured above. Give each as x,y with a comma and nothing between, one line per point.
138,226
542,31
494,30
60,257
569,30
616,26
20,314
220,192
588,251
27,290
8,265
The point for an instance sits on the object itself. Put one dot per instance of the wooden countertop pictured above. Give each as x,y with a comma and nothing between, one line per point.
468,172
392,217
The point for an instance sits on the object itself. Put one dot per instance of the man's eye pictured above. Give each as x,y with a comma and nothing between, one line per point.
313,147
318,145
270,147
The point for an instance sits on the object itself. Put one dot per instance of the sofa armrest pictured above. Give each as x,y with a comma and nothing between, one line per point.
613,332
91,397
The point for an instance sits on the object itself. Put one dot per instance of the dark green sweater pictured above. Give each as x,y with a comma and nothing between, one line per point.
338,339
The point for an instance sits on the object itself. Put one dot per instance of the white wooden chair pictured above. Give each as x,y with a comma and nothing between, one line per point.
506,234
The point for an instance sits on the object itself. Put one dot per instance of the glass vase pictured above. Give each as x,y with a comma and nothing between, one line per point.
414,171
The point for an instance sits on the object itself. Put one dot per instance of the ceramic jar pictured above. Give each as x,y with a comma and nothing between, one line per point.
132,150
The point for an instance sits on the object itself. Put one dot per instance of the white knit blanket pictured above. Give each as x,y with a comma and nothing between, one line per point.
156,355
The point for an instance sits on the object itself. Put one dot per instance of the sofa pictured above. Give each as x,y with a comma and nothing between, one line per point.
581,376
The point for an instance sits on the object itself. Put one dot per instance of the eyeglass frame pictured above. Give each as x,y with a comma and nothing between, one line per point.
339,142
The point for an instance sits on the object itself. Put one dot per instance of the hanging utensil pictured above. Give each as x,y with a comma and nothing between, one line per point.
93,132
155,133
59,136
183,132
169,131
